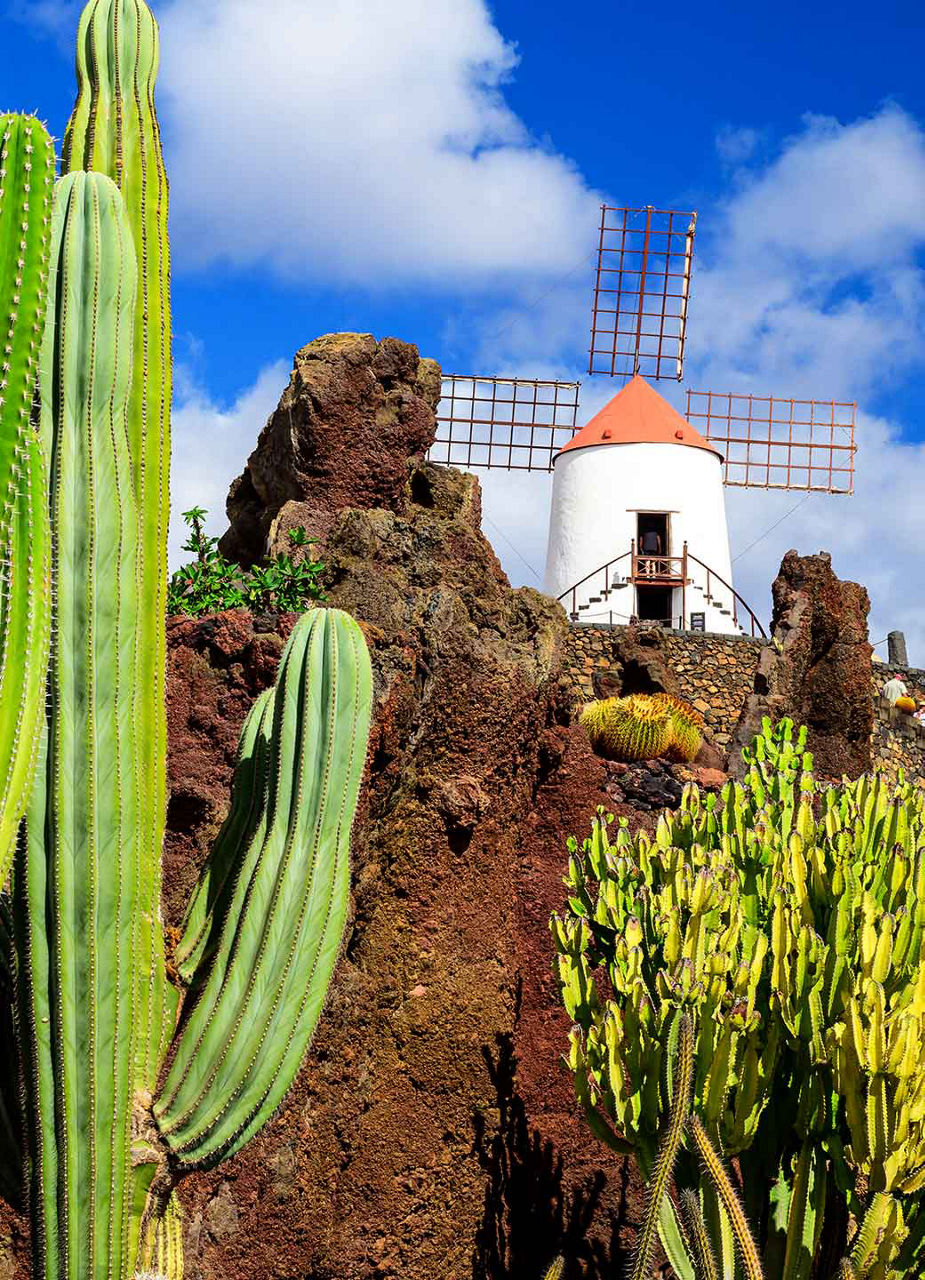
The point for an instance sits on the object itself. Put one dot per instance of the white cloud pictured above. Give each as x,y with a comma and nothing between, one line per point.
876,537
736,145
57,18
210,444
362,144
390,158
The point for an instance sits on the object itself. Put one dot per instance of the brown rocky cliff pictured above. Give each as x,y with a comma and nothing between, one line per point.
432,1134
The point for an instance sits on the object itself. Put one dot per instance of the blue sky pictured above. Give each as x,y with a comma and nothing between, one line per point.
432,169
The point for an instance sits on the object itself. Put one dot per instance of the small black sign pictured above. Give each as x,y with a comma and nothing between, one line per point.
698,622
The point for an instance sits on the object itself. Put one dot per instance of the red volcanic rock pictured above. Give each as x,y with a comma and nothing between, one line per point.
433,1131
817,672
355,411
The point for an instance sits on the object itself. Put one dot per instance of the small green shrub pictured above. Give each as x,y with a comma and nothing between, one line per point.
210,583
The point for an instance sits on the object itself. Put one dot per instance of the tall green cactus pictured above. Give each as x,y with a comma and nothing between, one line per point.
277,922
114,130
81,946
27,167
81,905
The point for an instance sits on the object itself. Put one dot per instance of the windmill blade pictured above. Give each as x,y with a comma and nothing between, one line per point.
514,424
770,442
641,291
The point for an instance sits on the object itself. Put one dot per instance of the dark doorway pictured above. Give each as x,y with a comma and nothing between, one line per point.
653,604
652,533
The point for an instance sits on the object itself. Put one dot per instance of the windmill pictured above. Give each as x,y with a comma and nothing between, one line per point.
637,525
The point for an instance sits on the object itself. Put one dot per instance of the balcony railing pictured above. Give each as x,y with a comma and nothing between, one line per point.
643,570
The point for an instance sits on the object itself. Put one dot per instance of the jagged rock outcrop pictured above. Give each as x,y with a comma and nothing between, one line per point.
640,665
354,412
817,671
432,1133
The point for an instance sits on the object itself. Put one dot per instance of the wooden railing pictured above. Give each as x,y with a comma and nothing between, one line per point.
652,570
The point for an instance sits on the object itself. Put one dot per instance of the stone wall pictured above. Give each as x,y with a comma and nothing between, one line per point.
714,672
912,677
899,740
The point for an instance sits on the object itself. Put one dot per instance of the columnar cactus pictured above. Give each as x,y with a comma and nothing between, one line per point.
113,130
81,947
78,884
787,921
270,933
27,169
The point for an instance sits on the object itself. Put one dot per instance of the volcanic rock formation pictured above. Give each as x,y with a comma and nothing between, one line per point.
817,671
355,410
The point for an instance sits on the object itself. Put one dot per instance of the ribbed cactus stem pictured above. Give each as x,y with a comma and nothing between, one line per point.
697,1235
78,901
27,167
669,1146
274,930
114,130
162,1247
728,1197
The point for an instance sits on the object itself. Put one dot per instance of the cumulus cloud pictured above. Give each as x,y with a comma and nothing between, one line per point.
210,444
809,279
57,18
360,143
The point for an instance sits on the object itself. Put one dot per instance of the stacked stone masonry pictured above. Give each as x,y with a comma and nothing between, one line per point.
899,739
714,672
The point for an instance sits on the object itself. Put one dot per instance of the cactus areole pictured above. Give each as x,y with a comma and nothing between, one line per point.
125,1079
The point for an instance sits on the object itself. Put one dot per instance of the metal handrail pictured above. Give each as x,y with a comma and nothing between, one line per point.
737,599
605,569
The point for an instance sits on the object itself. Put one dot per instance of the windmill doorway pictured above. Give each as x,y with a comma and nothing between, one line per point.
652,533
653,604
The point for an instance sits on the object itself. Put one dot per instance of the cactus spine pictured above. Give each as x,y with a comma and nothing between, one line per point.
114,130
27,167
258,1001
686,728
80,941
77,888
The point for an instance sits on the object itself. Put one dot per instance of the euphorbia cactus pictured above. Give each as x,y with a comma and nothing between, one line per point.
81,943
786,921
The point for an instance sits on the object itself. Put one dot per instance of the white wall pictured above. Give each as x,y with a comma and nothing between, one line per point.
597,492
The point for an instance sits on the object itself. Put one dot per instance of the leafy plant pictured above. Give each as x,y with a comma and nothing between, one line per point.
90,1117
210,583
781,929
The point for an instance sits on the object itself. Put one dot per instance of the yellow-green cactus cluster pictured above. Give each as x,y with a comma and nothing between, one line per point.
787,920
644,726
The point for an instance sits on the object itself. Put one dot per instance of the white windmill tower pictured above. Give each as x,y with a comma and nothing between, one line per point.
638,524
637,502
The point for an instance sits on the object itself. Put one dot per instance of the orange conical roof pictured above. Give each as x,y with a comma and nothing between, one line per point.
638,415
